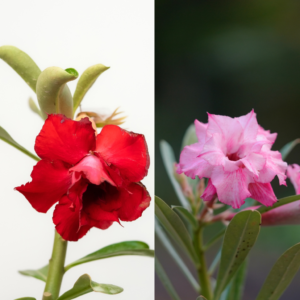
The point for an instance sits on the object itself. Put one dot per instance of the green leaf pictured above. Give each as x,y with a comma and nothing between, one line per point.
123,248
22,64
169,247
165,280
190,136
174,226
26,298
262,209
85,285
234,290
72,72
34,108
85,82
8,139
169,160
186,215
201,298
52,92
40,274
240,236
286,149
281,274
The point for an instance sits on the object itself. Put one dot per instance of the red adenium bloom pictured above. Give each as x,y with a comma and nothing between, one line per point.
94,179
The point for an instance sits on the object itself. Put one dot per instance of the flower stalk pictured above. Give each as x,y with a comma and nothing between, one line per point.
203,276
56,268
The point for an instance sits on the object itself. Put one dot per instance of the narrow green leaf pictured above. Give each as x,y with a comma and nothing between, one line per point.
34,108
85,82
169,247
169,160
165,280
40,274
189,137
22,64
123,248
8,139
201,298
26,298
262,209
186,215
281,274
240,236
52,92
85,285
174,226
286,149
236,287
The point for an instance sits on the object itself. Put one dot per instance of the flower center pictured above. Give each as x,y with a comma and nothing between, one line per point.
233,157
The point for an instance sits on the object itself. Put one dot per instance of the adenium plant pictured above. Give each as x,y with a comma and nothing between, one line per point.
225,165
93,178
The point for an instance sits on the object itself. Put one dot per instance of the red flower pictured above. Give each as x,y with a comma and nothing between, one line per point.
94,179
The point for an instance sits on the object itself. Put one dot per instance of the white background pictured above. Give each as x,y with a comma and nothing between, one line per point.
76,34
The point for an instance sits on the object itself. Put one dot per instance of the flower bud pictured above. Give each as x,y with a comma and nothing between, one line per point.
288,214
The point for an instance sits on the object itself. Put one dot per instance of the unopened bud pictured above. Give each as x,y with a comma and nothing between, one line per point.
288,214
185,187
84,115
200,187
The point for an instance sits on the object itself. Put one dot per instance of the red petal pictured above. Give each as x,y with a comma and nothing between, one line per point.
126,150
67,220
135,200
50,181
94,169
100,204
64,139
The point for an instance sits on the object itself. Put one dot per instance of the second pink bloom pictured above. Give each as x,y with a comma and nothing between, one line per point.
235,154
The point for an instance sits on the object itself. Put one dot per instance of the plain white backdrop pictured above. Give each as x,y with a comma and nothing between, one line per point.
75,34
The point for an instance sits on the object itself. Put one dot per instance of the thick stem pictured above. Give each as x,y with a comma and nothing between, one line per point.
56,268
204,281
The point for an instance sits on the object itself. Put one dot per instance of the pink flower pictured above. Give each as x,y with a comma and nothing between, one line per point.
293,173
235,154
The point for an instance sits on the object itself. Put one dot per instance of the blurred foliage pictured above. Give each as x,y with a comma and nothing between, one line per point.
227,57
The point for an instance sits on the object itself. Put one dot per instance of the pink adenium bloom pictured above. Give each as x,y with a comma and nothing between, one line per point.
235,154
293,173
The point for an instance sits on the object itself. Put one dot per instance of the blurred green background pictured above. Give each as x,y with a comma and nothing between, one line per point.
227,57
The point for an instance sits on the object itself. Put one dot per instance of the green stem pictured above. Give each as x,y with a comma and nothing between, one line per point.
56,268
204,281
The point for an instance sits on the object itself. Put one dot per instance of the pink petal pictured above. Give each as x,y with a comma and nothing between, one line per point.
229,129
210,192
64,139
293,172
254,162
250,126
263,193
200,131
50,181
192,165
274,166
232,188
94,170
214,150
